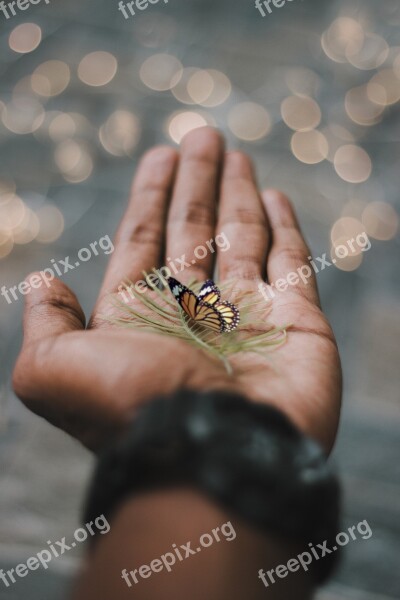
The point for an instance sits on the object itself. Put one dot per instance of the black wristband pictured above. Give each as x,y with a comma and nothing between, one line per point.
246,456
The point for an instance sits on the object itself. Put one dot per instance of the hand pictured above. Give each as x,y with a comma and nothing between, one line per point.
91,381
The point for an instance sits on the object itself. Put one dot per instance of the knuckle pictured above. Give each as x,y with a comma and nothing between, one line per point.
244,216
58,301
242,269
240,160
194,212
198,158
145,233
290,254
149,192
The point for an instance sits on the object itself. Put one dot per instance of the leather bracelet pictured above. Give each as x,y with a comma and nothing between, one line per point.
246,456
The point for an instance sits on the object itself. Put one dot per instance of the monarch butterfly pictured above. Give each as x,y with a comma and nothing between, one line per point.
206,308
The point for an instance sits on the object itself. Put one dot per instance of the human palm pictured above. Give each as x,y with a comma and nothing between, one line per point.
91,381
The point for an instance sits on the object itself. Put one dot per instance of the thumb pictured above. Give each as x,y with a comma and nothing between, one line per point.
51,309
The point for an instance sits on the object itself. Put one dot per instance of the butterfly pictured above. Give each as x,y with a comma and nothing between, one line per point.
206,308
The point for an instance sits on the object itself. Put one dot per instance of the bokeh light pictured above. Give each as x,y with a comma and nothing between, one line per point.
161,72
120,133
23,115
180,123
23,87
221,89
62,126
12,212
346,253
310,147
51,224
384,88
200,86
6,243
300,113
181,83
51,78
28,228
351,262
373,53
249,121
343,39
74,161
359,107
302,81
25,38
347,228
206,87
352,163
97,68
380,220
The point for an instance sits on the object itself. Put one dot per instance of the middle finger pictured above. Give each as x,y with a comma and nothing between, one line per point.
191,218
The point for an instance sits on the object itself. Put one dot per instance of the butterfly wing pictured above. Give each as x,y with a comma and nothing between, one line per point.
208,316
205,309
229,314
187,300
209,293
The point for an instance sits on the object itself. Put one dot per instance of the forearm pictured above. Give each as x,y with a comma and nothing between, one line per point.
163,528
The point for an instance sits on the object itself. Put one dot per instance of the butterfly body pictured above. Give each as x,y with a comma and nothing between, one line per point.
205,308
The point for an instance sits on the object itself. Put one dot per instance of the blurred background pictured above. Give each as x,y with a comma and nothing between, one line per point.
312,92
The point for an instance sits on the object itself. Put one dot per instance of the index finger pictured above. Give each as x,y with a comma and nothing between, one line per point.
140,237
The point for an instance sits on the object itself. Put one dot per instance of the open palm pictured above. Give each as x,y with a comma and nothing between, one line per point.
90,381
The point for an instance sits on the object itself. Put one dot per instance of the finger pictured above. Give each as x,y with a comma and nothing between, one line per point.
140,237
50,310
289,256
242,221
191,218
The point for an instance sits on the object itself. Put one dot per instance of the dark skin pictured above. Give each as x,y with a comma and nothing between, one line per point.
90,380
147,526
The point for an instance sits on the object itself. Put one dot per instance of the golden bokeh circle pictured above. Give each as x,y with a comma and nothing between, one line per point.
301,113
380,220
161,72
309,147
249,121
51,224
25,38
352,163
181,122
97,68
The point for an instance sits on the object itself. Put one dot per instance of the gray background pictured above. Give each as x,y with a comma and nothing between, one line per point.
44,473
